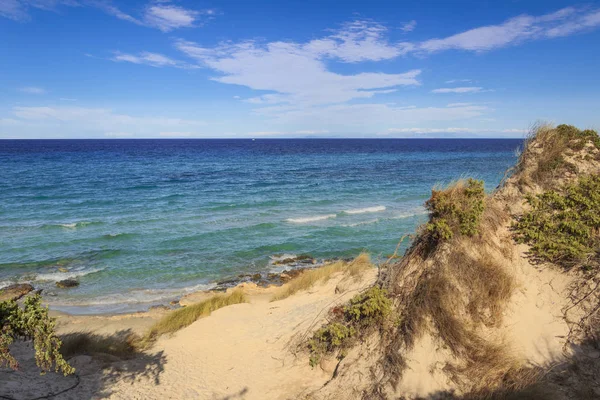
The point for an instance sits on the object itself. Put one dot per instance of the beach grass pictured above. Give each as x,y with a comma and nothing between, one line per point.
186,316
310,277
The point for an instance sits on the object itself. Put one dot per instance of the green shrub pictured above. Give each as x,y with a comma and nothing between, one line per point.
364,311
563,227
327,339
373,306
456,209
555,143
31,323
578,138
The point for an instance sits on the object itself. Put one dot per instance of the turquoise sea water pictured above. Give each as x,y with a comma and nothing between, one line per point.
140,222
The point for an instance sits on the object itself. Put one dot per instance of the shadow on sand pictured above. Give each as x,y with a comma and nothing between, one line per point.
100,362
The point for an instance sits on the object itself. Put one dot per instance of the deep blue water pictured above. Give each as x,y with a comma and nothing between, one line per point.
139,222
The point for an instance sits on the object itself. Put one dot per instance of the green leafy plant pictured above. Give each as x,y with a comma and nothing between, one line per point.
563,227
364,311
31,322
456,209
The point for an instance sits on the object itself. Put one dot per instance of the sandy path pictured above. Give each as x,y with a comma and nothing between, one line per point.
243,351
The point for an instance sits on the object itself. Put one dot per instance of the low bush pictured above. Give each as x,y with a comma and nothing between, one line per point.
364,312
31,322
455,210
563,227
555,143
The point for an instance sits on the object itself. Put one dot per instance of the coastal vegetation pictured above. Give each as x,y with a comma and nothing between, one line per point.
358,317
308,278
31,322
179,319
562,226
453,285
456,209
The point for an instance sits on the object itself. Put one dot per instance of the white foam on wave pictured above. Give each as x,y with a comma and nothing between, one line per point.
73,225
4,284
410,214
369,222
316,218
281,257
59,276
132,297
366,210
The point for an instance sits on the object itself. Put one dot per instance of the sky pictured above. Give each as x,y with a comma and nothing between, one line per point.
242,68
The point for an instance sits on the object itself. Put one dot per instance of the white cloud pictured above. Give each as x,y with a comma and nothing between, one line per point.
59,121
367,118
152,59
18,10
296,73
453,132
169,17
159,14
563,22
409,26
464,89
175,134
458,80
33,90
458,104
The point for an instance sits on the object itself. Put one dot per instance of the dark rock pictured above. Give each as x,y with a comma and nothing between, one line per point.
15,292
285,261
67,283
288,275
273,277
159,307
256,277
228,282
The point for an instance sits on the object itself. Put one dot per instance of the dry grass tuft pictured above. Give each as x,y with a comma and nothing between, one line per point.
310,277
543,160
186,316
457,294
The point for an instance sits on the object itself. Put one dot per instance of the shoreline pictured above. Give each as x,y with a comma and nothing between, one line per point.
289,266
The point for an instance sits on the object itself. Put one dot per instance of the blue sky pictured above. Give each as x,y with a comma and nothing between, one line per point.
121,69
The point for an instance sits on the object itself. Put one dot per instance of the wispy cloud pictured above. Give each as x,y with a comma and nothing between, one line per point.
169,17
152,59
409,26
18,10
453,132
367,118
60,121
158,14
297,74
515,30
32,90
464,89
458,80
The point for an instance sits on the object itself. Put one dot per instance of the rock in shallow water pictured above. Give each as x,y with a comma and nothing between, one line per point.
15,292
67,283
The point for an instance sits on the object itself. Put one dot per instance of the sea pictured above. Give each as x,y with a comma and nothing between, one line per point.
141,222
